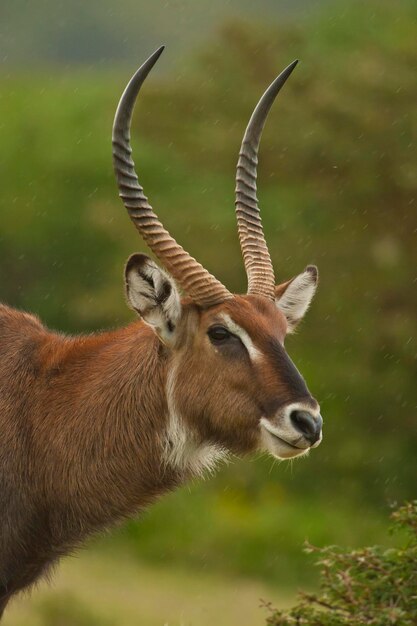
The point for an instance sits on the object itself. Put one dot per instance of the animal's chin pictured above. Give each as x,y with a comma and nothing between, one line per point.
279,448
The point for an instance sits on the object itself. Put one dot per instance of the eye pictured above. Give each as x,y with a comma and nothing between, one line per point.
219,334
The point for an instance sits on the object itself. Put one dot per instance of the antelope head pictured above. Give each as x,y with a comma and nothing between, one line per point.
230,383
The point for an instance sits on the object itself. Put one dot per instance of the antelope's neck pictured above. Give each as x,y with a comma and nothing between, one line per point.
102,450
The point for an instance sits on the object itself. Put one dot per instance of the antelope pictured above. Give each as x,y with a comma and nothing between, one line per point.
94,428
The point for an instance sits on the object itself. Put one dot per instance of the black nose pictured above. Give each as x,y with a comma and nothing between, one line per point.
307,424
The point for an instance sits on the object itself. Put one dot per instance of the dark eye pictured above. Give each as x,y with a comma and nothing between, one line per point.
218,334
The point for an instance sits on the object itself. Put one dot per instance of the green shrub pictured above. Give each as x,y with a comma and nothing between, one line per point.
371,586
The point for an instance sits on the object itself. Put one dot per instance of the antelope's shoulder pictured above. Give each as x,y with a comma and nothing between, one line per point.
12,320
21,334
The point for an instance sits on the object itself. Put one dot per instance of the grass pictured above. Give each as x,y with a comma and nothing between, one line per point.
86,592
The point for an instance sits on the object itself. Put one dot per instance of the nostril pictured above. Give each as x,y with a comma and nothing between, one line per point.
307,424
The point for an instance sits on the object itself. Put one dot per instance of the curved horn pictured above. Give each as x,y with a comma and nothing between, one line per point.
204,288
261,280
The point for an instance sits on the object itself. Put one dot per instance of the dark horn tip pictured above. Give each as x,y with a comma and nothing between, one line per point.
290,68
150,62
276,85
155,55
124,110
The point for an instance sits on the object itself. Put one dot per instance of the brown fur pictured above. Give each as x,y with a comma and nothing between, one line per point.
83,421
80,427
233,393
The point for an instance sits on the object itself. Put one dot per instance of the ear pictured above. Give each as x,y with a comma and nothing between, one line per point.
294,296
152,293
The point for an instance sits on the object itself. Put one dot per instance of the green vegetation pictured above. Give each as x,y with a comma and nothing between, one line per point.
96,590
371,586
65,610
337,186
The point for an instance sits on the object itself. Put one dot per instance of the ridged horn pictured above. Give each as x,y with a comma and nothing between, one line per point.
197,282
261,280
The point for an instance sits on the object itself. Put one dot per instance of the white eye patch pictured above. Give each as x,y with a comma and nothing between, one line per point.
240,332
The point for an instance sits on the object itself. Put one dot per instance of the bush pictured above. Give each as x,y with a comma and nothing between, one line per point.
371,586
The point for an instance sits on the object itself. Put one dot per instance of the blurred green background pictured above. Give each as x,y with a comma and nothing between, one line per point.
337,186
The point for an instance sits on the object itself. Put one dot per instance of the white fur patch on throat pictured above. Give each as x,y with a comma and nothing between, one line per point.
244,337
182,451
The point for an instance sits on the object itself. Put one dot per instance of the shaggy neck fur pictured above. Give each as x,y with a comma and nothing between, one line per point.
72,467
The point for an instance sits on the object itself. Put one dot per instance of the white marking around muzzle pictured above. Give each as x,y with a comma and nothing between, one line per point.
281,426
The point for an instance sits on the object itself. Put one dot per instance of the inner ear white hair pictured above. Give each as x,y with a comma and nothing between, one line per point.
295,296
152,293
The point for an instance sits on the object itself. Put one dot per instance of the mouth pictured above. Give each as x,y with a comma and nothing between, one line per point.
291,445
279,447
